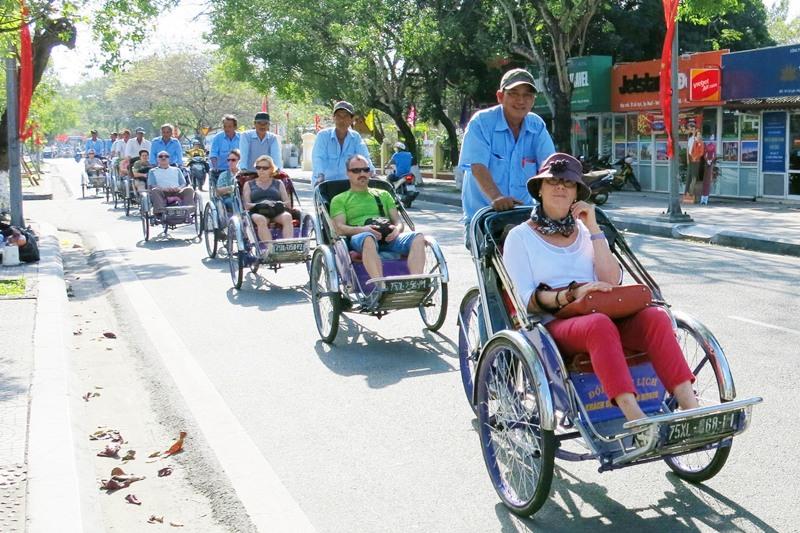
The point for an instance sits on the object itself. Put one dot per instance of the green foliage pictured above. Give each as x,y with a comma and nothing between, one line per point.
782,29
51,110
12,287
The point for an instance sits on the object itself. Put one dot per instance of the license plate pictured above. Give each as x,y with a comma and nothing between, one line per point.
288,247
701,428
412,188
408,285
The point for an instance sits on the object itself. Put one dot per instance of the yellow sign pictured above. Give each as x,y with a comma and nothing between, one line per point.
204,130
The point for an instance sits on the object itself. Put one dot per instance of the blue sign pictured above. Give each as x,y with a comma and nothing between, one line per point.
773,142
763,73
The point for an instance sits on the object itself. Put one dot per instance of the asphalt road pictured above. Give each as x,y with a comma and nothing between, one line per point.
374,433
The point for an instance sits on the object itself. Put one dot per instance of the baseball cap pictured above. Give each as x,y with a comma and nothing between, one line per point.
516,76
347,106
139,130
93,131
260,116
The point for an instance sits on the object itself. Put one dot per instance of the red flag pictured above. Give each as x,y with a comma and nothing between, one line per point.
317,125
265,104
665,76
25,74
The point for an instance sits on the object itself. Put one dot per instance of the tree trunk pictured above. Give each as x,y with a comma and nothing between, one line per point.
52,33
405,130
562,116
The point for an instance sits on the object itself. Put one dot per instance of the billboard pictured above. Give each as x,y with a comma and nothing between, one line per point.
763,73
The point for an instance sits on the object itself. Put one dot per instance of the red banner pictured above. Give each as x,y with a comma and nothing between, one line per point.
25,74
665,82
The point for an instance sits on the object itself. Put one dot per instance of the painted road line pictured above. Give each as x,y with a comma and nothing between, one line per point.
268,503
762,324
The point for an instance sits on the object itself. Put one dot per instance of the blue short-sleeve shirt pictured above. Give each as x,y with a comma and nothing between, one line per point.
490,142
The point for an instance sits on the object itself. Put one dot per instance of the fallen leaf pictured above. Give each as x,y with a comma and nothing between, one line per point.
130,455
177,446
131,498
154,454
77,332
119,481
176,524
164,472
98,387
112,450
110,335
153,519
117,471
86,396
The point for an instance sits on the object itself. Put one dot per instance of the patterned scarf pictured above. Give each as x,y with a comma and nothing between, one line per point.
547,226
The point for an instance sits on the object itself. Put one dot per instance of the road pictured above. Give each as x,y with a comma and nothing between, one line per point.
373,433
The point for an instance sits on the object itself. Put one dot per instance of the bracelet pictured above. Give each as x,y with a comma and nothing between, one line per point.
597,236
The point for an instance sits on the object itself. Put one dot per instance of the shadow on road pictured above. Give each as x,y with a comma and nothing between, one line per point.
387,361
686,508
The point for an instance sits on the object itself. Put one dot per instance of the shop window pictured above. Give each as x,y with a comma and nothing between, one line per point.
632,127
750,127
730,126
709,124
774,184
605,135
619,128
794,143
748,182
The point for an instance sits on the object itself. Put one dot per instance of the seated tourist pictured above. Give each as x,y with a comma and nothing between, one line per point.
164,181
259,197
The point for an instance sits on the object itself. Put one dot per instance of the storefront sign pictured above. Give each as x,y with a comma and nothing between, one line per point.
773,142
590,77
649,123
634,86
764,73
704,84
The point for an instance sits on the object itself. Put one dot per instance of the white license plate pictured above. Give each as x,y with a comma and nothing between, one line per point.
288,247
701,428
408,285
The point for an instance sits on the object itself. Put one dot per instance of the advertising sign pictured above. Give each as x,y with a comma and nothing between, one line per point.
704,84
590,77
773,142
764,73
634,86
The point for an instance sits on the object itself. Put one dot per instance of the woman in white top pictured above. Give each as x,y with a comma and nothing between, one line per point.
562,243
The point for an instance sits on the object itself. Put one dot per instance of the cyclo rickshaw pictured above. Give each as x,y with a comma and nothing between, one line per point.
242,244
215,220
129,195
175,214
97,180
535,404
339,281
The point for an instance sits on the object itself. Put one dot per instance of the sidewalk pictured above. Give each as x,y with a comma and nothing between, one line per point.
759,226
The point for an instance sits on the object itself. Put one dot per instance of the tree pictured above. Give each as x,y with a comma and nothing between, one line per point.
783,29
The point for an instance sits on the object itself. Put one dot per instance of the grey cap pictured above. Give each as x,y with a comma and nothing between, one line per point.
261,116
516,76
347,106
139,130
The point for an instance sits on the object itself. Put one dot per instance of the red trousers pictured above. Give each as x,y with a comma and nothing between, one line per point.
649,330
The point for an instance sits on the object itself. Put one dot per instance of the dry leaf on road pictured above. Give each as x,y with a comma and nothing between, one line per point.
131,498
153,519
177,446
164,472
110,335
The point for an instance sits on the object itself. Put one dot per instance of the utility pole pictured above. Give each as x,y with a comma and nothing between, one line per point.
673,212
14,172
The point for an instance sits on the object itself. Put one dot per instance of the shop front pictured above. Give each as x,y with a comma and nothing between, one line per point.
762,90
638,124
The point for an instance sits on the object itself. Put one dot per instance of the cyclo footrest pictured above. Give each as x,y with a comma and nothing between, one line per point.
401,292
681,431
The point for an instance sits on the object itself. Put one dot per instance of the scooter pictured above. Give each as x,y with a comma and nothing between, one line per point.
404,187
601,183
626,174
198,167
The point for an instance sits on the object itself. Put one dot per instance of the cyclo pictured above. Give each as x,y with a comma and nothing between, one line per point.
339,281
129,195
242,244
533,401
175,214
97,179
215,220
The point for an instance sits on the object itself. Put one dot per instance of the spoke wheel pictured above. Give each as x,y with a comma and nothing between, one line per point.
518,453
145,225
235,257
703,465
210,235
327,304
83,190
434,314
469,340
311,233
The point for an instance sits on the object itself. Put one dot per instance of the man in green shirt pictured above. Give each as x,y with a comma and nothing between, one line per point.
350,211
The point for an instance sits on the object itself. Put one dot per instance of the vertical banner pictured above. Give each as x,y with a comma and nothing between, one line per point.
265,104
773,142
25,74
665,81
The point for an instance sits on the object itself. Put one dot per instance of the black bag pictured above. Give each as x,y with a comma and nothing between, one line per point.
382,224
268,208
30,252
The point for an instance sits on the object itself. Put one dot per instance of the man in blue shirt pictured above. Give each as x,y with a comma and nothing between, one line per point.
259,141
94,144
167,144
503,147
335,145
221,146
401,159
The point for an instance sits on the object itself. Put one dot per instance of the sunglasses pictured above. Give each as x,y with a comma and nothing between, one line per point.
559,181
232,159
163,157
360,170
260,168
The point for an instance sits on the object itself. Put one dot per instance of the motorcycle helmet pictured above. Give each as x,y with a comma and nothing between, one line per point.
399,145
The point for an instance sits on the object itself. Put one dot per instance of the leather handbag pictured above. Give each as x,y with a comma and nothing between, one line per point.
620,302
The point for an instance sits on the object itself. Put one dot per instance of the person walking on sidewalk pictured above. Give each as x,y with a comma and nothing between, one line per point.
696,149
334,146
503,147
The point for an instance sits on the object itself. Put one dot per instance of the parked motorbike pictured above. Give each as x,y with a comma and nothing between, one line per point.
626,174
601,183
198,168
405,187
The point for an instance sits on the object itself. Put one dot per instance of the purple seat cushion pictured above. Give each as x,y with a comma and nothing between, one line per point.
391,267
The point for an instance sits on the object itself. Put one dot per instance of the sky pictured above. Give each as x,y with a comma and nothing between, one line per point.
180,28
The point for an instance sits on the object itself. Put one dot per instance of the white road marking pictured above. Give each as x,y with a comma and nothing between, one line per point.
268,503
770,326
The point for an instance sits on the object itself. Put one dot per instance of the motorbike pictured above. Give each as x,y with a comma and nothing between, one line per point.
626,174
198,168
601,183
404,187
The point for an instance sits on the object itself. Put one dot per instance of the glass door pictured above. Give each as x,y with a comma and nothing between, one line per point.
794,156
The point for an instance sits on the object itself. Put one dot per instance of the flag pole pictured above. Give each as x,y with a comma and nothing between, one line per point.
14,173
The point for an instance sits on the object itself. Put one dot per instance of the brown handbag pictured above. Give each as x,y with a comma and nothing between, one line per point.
622,301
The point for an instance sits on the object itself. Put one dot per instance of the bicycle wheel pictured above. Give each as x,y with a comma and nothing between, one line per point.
145,224
469,341
327,303
518,453
235,257
434,311
209,233
704,464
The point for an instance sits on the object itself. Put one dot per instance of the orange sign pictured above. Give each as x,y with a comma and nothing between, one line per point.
705,84
634,86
